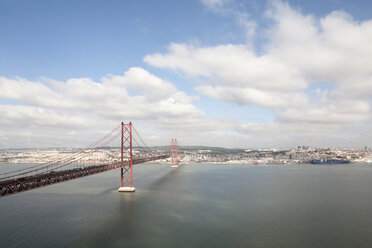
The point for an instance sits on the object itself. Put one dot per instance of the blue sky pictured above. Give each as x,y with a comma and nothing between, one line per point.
64,39
46,44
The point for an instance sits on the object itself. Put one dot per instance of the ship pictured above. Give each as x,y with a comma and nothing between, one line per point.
330,161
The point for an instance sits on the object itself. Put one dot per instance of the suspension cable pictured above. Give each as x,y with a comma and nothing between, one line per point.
63,160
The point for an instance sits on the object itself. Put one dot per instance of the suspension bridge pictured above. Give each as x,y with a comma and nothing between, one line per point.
131,151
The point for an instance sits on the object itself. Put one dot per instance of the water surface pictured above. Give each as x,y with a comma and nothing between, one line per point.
198,205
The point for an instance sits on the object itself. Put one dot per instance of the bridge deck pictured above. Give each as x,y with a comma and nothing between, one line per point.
17,185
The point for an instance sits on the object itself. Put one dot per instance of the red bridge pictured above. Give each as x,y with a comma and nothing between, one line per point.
58,171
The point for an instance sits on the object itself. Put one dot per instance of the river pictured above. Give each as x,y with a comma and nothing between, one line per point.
198,205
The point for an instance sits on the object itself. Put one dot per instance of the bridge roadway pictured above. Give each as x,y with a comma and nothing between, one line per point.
17,185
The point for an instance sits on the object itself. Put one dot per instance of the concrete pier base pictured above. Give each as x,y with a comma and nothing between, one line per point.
127,189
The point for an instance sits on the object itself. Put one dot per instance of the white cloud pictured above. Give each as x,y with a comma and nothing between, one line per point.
143,82
81,104
249,26
248,95
302,50
335,48
334,112
27,92
233,65
359,89
230,9
214,3
18,116
234,73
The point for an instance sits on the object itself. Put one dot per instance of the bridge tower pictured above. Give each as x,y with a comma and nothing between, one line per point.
174,154
126,170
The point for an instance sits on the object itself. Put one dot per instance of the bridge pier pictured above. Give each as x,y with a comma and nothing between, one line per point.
174,154
127,189
126,170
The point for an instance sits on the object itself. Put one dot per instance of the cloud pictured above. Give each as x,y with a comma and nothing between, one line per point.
229,8
334,112
301,50
136,94
334,48
360,89
234,73
248,95
214,3
81,104
142,81
26,92
18,116
235,65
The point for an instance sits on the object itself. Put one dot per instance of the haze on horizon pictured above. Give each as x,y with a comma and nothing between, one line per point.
228,73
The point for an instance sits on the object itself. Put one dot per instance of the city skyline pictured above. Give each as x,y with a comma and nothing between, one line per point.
211,72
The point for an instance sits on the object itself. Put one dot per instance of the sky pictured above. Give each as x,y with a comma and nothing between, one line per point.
240,74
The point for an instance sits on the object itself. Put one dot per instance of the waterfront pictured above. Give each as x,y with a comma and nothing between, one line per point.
198,205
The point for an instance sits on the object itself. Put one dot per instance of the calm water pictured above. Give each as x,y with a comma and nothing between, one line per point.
198,206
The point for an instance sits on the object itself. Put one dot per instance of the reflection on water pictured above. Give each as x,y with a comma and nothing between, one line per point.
198,206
